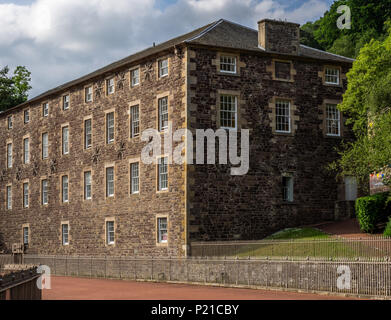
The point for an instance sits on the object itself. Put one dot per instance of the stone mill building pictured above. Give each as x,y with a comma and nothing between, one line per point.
71,176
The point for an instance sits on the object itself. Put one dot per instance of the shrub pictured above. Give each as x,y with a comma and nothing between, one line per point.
387,230
371,210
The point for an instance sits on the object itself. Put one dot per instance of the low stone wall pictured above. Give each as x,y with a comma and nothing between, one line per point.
357,278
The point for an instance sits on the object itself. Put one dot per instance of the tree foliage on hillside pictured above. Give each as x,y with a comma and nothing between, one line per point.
367,17
367,102
13,89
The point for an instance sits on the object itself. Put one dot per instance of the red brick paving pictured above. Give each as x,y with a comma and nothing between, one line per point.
70,288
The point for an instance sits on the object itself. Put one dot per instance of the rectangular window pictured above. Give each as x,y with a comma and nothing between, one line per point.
87,185
134,177
228,111
110,86
45,109
65,140
9,155
332,76
9,122
25,235
282,70
163,68
88,94
65,234
65,188
135,75
110,232
87,133
287,189
26,151
228,64
45,145
283,118
9,197
26,116
65,102
332,120
44,190
163,174
110,127
162,230
110,182
163,113
25,195
134,121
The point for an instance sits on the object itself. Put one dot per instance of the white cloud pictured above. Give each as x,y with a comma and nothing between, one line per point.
64,39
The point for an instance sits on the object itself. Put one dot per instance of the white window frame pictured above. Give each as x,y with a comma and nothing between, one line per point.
223,110
134,177
45,145
87,185
65,189
26,235
65,102
329,119
227,62
110,85
45,109
88,94
26,150
110,232
278,104
65,235
163,70
134,121
26,116
161,230
87,134
329,75
163,113
25,195
44,190
287,189
9,197
135,77
162,174
9,155
110,182
65,140
110,127
9,122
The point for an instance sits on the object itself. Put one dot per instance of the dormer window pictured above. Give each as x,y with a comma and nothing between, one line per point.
227,64
331,75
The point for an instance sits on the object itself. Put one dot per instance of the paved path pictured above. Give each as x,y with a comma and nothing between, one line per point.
69,288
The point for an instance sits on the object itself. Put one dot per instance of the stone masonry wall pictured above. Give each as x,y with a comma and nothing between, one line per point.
226,207
134,215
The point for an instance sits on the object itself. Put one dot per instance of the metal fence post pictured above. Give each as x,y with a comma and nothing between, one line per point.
66,265
151,268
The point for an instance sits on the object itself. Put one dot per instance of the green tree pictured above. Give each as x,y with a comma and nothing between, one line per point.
367,103
13,89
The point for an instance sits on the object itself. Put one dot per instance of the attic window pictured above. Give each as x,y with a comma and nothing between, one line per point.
332,76
282,70
228,64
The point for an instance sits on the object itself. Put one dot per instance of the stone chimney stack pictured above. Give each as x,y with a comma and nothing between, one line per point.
279,36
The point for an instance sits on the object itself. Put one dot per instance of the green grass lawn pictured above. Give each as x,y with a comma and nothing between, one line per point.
299,243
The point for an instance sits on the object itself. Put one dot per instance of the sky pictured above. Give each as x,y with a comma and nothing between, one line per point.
61,40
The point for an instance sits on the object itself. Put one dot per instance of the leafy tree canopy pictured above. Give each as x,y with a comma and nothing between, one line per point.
13,89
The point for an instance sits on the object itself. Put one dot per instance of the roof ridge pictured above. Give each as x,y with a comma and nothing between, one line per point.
216,23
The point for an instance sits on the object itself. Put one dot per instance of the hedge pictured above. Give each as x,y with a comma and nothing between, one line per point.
371,210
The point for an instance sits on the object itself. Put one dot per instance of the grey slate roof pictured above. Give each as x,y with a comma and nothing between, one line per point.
221,33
